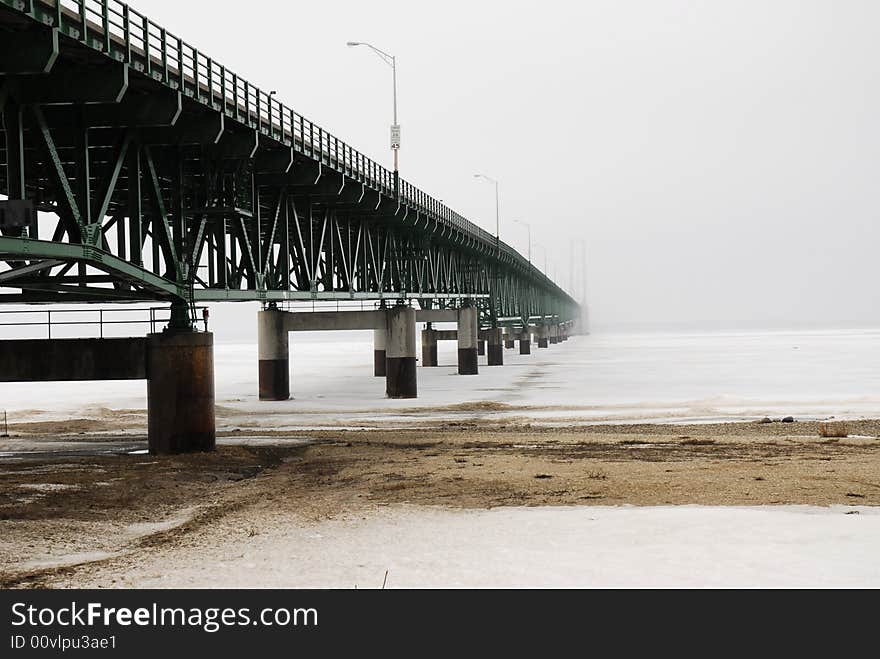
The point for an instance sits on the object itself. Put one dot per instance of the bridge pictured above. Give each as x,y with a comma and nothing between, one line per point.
133,167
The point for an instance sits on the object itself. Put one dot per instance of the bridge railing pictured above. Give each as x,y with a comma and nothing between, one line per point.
103,320
123,33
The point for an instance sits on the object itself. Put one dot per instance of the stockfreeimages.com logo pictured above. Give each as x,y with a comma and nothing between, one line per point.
210,620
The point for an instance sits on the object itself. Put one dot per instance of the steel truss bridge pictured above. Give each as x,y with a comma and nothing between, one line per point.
137,168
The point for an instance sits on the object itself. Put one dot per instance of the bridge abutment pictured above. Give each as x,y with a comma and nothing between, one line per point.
274,355
467,341
180,392
400,353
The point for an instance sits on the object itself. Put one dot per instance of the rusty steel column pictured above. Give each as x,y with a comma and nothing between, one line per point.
379,365
274,355
180,392
401,381
496,347
429,347
467,341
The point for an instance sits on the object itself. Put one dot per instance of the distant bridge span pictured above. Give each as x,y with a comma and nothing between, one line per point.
137,168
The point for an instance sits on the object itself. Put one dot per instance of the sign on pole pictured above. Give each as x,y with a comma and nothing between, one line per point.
395,137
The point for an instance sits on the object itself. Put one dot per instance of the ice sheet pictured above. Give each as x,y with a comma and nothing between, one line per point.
600,378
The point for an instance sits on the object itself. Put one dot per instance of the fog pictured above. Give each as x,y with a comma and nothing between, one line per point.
718,160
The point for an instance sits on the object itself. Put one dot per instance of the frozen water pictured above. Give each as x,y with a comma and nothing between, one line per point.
600,378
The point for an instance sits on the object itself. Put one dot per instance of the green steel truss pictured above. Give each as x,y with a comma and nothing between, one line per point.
136,168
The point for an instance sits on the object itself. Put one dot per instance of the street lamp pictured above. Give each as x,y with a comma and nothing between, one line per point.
489,179
391,61
529,229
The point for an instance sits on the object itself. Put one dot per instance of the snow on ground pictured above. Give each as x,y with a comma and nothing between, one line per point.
547,547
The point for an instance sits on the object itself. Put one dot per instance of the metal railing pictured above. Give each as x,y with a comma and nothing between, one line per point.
114,28
157,317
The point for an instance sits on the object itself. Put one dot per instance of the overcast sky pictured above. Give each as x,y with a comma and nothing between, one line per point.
719,159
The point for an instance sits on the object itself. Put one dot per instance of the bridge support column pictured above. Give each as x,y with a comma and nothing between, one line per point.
481,347
379,357
467,341
543,335
274,355
525,343
553,330
509,341
496,347
400,353
429,347
180,392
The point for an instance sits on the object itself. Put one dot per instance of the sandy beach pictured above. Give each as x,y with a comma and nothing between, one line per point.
120,520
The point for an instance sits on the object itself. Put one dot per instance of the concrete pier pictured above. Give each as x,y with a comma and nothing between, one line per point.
554,334
379,357
274,354
180,392
467,341
509,341
429,347
543,335
481,347
496,347
525,344
401,353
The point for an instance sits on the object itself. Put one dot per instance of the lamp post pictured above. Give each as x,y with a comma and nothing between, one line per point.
489,179
391,61
497,274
